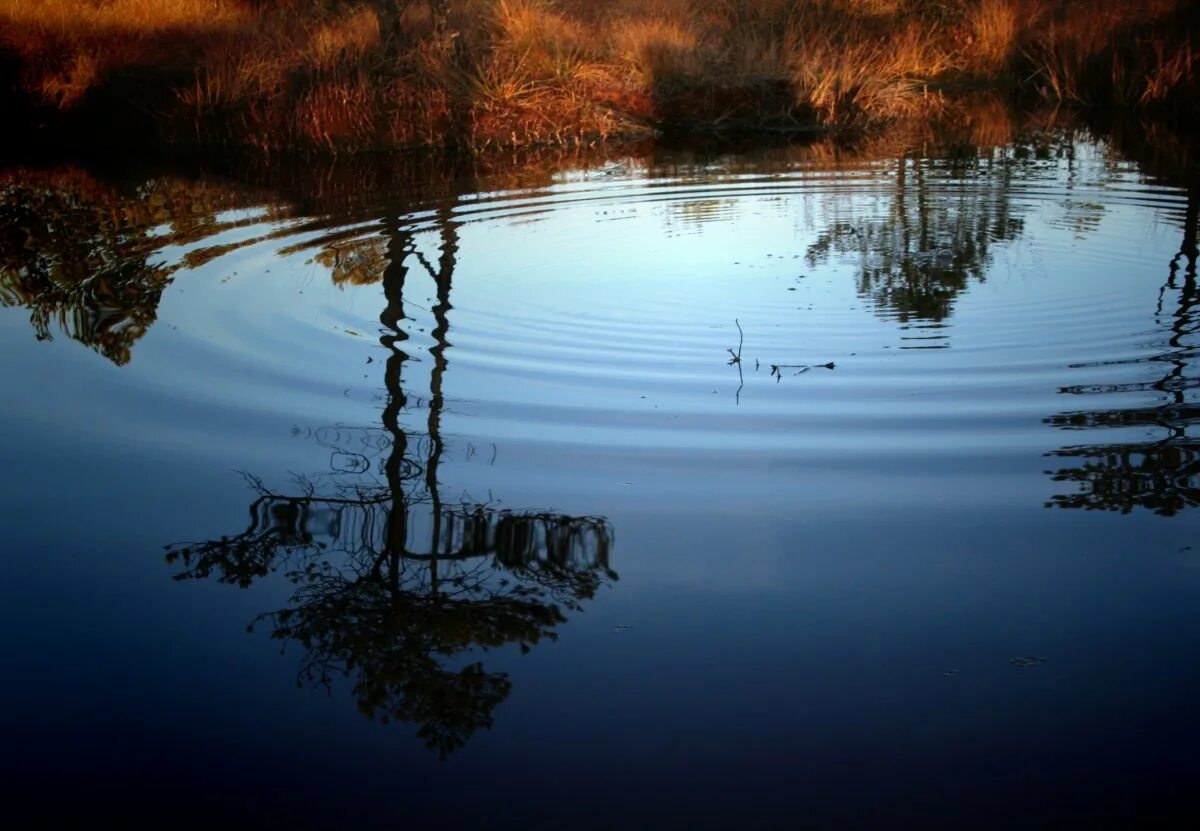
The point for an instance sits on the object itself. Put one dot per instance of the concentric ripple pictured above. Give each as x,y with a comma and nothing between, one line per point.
1012,312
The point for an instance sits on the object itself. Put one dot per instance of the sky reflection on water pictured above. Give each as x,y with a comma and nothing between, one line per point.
424,424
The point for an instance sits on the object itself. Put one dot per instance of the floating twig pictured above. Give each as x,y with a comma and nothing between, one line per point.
777,369
736,357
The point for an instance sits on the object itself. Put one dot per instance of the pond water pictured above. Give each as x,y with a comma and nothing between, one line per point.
802,486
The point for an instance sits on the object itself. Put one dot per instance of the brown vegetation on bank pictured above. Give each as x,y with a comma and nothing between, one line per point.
357,74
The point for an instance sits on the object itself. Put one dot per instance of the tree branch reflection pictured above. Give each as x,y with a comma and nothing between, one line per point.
393,587
915,259
1162,475
81,255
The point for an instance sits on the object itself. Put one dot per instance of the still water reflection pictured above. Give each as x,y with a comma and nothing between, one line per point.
1162,472
392,584
443,391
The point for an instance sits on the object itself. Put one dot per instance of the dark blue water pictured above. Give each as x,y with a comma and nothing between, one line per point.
796,488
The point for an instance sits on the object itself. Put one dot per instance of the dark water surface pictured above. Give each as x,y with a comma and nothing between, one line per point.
519,546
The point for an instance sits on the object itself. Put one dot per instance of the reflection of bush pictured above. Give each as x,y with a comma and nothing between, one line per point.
1162,476
369,607
915,258
393,588
79,254
85,255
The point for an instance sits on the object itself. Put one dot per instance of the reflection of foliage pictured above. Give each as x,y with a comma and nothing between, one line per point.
66,264
392,588
354,263
86,255
1163,475
393,621
79,254
932,241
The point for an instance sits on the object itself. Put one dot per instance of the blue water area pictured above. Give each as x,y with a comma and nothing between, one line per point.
808,486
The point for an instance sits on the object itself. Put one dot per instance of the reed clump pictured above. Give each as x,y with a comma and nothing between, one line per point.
357,74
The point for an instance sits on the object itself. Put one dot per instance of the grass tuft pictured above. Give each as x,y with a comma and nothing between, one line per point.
383,73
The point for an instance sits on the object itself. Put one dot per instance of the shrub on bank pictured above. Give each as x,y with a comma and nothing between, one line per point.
355,74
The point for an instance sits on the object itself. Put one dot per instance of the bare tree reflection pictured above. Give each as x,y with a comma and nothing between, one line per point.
1162,475
394,588
916,258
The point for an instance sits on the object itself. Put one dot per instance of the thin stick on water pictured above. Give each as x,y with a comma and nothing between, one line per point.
736,357
777,369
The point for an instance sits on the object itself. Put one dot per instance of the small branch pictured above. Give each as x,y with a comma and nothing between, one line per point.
736,357
777,369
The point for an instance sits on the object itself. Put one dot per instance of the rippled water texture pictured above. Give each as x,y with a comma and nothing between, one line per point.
848,488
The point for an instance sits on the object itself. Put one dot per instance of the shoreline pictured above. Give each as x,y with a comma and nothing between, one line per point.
289,76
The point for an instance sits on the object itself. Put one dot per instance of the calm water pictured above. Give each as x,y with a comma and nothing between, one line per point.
395,494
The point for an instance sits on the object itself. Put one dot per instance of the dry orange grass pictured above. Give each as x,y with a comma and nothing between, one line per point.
351,37
71,45
338,76
526,25
658,49
995,25
69,18
1125,54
